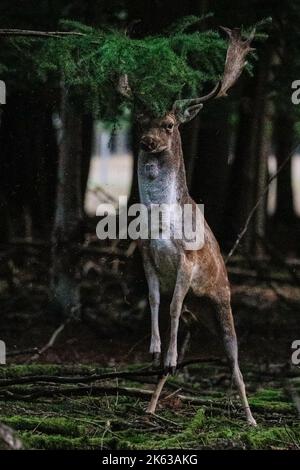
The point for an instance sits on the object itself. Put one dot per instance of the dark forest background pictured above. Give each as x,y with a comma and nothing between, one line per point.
226,147
74,313
43,179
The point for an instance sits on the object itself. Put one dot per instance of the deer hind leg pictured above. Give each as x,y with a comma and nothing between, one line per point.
226,324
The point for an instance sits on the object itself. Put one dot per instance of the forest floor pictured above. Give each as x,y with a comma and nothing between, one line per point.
53,400
48,415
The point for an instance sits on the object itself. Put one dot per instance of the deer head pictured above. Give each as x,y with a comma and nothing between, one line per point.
156,134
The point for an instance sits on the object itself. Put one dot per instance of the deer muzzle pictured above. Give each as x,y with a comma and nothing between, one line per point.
148,144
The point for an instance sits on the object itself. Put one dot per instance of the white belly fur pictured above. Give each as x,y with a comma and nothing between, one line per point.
161,190
165,259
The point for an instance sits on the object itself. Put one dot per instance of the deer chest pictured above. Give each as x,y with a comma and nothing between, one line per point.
165,259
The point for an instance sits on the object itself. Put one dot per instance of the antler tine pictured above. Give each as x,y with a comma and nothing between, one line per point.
235,58
234,64
210,95
123,86
195,101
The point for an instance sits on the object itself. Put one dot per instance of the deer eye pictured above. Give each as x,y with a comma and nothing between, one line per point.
169,126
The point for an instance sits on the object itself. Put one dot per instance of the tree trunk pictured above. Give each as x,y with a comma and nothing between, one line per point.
260,147
262,151
240,181
249,169
209,172
16,162
284,141
87,148
44,158
5,228
67,232
28,165
189,134
134,191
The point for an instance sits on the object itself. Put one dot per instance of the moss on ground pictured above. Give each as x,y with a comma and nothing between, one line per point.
19,370
121,423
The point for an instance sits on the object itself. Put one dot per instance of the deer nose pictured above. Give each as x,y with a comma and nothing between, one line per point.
147,143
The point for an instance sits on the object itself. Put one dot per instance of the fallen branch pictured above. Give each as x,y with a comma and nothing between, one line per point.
22,352
93,391
242,274
156,394
50,343
31,379
39,34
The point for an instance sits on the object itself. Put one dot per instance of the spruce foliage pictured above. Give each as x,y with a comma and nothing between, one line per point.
160,69
177,64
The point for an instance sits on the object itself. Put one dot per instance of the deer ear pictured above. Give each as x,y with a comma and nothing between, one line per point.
186,110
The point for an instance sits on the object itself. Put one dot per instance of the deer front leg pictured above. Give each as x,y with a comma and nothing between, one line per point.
154,301
181,288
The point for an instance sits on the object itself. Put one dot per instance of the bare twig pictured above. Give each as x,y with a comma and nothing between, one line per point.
156,394
95,391
22,352
167,420
98,189
145,372
50,343
257,204
91,391
38,34
131,249
140,341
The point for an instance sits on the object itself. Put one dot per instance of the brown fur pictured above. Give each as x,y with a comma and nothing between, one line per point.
182,275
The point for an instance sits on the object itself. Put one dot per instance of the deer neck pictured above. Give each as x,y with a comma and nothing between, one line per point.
161,176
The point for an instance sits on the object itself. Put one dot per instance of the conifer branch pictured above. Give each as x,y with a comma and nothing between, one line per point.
39,34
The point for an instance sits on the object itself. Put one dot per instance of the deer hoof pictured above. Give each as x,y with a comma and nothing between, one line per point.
170,363
156,359
170,370
251,421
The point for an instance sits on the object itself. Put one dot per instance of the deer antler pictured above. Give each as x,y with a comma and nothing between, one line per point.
213,94
235,58
234,64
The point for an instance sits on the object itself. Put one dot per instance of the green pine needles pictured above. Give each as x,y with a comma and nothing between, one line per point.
160,69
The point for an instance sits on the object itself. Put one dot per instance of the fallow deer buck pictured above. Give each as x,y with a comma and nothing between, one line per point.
184,276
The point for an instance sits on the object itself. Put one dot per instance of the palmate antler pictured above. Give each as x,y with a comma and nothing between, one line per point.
235,58
234,64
